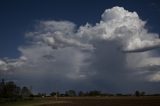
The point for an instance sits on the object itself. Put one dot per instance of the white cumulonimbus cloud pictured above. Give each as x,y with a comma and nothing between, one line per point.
118,46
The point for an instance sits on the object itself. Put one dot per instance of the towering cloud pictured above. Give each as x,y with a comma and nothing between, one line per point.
111,53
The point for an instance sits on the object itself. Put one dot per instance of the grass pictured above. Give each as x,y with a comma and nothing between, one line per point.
88,101
34,102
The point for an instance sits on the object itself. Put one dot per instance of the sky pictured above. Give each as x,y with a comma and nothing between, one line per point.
107,45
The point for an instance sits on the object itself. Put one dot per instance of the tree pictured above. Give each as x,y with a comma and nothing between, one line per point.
41,94
11,90
137,93
25,92
94,93
53,93
81,93
143,93
2,85
119,94
70,93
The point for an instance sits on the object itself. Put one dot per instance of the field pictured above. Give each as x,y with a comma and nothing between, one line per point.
88,101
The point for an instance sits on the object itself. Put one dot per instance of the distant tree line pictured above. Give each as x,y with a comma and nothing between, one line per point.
11,91
72,93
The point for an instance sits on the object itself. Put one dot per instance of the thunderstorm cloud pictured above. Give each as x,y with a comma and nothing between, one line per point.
117,51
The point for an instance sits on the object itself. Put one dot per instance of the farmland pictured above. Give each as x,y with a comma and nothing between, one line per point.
89,101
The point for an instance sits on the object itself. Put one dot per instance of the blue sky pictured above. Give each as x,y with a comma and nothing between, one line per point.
17,17
79,43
